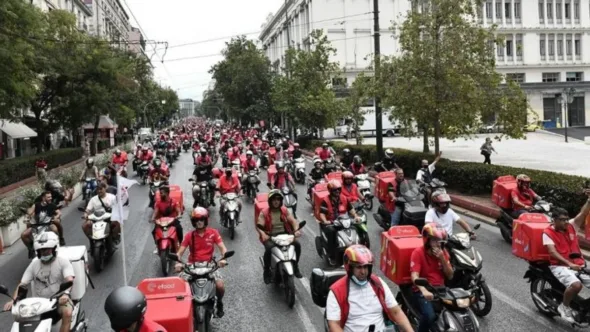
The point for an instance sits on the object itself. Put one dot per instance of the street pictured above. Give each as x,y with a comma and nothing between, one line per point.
250,305
557,156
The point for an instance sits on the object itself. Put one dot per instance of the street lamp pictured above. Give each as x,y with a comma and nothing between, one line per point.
566,98
163,102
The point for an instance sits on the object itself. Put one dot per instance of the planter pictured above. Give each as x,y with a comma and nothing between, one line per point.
11,233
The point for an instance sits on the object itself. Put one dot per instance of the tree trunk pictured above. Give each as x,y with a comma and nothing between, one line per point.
94,148
425,147
39,127
436,134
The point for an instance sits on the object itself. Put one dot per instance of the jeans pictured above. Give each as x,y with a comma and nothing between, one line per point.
331,234
516,213
268,245
396,216
428,316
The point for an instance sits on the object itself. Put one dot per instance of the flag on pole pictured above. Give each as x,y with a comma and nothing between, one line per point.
121,213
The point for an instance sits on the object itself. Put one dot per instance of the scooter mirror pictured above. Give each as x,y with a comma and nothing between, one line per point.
173,257
421,282
191,180
228,254
575,255
302,224
4,290
477,226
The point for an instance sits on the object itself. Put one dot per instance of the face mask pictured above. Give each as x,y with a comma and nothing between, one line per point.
46,258
358,282
424,166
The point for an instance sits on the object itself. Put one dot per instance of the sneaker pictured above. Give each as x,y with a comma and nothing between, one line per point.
297,273
220,312
62,241
266,276
156,252
566,313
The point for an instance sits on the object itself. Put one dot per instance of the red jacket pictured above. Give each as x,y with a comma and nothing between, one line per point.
352,193
340,290
268,220
229,187
342,208
280,180
357,170
325,154
249,165
565,244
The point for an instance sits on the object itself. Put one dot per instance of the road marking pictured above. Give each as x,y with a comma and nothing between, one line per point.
519,307
305,320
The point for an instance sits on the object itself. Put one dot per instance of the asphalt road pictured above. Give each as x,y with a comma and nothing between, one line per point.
250,304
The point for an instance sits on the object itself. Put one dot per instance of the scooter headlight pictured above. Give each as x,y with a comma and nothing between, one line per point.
463,303
29,310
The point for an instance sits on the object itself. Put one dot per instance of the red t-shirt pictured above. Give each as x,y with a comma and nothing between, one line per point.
525,197
161,207
151,326
201,247
428,266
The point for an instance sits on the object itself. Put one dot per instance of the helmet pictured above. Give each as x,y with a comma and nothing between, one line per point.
334,185
317,161
296,145
275,193
53,185
440,197
357,160
324,145
139,145
347,175
47,240
90,162
389,153
157,163
522,178
280,164
199,213
203,150
433,231
249,153
357,255
144,147
118,152
125,306
346,151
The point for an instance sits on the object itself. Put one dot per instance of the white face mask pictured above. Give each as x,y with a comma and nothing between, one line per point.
358,282
46,258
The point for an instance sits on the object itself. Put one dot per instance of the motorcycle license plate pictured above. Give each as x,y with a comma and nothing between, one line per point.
165,233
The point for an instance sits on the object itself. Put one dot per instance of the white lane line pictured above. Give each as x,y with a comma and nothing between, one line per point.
534,316
305,320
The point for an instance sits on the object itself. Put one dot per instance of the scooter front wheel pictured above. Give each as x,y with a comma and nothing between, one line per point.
290,290
164,262
98,255
483,304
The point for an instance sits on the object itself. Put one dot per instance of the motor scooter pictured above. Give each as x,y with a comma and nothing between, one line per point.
364,190
143,171
299,170
166,239
251,180
199,277
282,262
347,235
89,188
289,201
101,242
156,184
36,314
170,156
201,193
186,145
231,213
505,221
42,224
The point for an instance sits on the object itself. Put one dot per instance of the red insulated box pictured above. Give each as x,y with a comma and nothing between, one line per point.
319,192
527,237
501,191
260,203
242,157
397,245
382,181
317,150
169,303
271,172
334,176
217,173
272,152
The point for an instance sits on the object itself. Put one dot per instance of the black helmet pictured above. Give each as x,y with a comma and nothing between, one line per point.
53,185
357,160
125,306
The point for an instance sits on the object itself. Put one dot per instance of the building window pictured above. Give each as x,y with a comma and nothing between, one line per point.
560,45
339,82
550,77
551,46
489,9
507,10
577,45
541,11
576,10
558,10
574,76
568,45
568,8
542,45
519,45
499,10
517,10
549,10
509,48
516,77
500,51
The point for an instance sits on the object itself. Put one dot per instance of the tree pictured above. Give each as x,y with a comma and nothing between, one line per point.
304,94
211,107
360,93
445,78
20,23
243,80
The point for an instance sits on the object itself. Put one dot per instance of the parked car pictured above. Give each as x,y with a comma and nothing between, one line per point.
491,128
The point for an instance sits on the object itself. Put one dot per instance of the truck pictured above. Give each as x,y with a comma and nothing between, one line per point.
345,126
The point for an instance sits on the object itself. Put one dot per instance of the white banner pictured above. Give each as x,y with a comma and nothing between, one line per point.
121,213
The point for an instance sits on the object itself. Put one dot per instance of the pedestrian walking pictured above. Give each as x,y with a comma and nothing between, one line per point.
486,150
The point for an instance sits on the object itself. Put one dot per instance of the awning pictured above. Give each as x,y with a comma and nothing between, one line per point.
16,129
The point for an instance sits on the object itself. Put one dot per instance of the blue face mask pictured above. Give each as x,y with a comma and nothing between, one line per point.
358,282
46,258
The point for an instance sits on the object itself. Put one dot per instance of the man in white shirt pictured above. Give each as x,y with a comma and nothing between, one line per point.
104,202
442,214
356,302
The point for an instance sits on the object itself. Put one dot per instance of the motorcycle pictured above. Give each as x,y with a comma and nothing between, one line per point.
199,277
435,185
364,190
201,194
505,220
37,314
235,165
452,304
136,161
156,184
547,292
330,165
166,242
42,225
170,156
231,213
312,183
282,262
264,159
410,200
101,242
467,263
143,171
347,234
299,171
289,201
251,180
186,145
88,191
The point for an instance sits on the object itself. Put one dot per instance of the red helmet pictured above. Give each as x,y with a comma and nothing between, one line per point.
433,231
334,184
199,213
347,175
357,255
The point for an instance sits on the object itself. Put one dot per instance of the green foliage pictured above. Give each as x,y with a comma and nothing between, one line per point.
476,178
304,93
18,169
445,78
360,93
211,107
243,81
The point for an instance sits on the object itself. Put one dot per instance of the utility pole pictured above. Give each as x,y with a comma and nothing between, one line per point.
377,51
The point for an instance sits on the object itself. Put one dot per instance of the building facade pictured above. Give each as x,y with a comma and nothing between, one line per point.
546,50
136,41
110,21
187,107
79,8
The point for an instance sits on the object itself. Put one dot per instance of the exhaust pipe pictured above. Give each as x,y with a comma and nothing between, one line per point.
542,302
261,262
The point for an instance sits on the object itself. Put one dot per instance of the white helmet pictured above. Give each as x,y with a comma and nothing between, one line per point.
249,153
47,240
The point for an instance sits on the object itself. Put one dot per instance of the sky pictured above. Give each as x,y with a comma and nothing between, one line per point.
188,21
